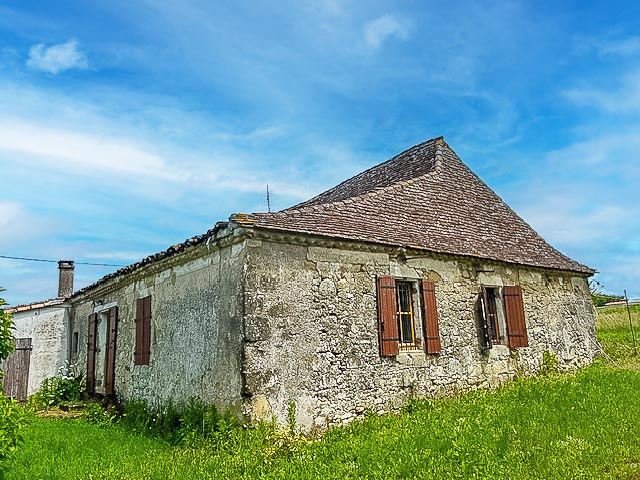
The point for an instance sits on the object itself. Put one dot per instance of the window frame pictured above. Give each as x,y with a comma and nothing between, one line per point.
419,307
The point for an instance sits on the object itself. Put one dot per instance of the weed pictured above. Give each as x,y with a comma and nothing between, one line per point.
291,417
549,363
96,414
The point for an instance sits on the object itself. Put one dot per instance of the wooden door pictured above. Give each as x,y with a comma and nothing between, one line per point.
110,352
16,370
91,354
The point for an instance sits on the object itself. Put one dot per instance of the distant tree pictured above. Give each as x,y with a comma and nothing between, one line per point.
599,298
13,418
6,338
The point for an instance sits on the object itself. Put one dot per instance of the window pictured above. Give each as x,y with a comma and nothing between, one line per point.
406,325
503,321
142,350
74,343
404,322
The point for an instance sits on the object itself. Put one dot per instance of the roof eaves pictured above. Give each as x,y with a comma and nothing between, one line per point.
156,257
58,301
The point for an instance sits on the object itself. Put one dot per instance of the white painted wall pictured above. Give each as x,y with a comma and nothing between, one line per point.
48,329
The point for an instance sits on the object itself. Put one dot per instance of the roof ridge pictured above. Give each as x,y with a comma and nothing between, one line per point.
296,209
436,141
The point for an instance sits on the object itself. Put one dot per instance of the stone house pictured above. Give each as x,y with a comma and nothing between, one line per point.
411,279
42,338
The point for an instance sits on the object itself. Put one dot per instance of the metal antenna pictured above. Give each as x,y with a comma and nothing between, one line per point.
268,200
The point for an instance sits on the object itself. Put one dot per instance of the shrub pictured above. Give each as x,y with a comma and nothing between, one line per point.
67,386
13,418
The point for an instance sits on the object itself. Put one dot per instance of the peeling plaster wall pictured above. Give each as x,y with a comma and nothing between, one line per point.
311,330
196,328
48,329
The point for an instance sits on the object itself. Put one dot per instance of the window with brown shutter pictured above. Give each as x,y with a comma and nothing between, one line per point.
400,323
514,313
502,322
142,350
430,315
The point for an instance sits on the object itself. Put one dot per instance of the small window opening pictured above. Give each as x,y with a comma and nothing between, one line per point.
74,343
406,324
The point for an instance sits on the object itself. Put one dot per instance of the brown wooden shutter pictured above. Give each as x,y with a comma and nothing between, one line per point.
431,329
387,316
137,353
514,312
91,354
146,342
110,354
143,331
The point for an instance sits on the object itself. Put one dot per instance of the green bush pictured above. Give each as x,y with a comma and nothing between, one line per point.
6,337
13,418
67,386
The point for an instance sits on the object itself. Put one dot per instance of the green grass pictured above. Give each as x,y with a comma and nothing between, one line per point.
585,425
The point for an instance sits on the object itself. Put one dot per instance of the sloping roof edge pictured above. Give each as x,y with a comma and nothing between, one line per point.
52,302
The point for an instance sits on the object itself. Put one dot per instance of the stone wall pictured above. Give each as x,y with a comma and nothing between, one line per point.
196,328
48,328
311,329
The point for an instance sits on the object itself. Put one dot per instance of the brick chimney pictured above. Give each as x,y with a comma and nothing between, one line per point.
65,279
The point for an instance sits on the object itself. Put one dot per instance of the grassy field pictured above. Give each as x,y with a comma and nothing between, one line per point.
556,426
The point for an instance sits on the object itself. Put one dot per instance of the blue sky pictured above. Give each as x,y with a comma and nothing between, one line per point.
126,127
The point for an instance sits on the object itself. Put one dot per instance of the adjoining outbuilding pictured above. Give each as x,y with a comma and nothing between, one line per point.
43,341
411,279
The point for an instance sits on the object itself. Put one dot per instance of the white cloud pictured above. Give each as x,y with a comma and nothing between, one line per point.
123,255
9,211
610,152
563,222
56,146
57,58
380,29
627,47
623,99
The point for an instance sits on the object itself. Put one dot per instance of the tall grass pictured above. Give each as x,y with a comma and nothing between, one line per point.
616,337
582,426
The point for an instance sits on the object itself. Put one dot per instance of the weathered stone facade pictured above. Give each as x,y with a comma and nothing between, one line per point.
263,320
311,329
196,331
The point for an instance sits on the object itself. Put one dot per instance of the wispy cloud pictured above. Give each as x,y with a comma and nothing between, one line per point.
627,47
563,221
9,211
378,30
86,150
57,58
622,98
